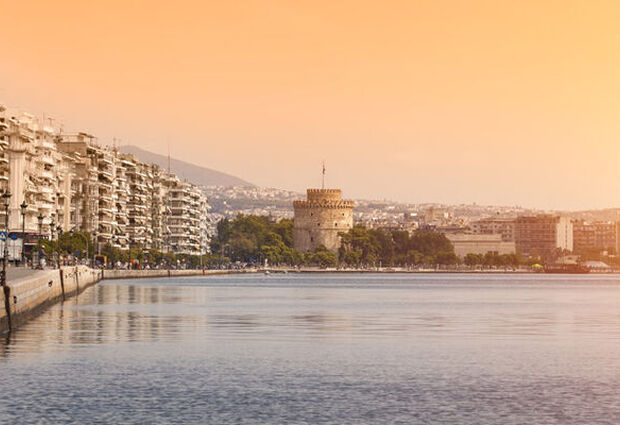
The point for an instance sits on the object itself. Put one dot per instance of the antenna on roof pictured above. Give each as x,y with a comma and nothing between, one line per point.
168,157
323,181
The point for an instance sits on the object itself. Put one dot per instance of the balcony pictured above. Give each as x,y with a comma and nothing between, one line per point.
46,174
46,144
47,160
106,175
105,160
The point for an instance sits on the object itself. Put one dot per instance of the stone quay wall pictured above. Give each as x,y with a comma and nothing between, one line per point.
26,297
139,274
30,295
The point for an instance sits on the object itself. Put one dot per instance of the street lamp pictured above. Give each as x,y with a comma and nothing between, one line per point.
23,207
59,232
6,196
40,220
54,249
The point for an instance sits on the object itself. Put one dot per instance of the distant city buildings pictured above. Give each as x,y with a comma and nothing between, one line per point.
464,244
68,182
503,226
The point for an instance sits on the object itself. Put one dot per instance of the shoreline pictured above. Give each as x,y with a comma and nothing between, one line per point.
32,294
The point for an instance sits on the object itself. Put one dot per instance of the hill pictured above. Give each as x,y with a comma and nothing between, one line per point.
193,173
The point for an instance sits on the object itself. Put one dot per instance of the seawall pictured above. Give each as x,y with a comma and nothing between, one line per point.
27,296
137,274
31,294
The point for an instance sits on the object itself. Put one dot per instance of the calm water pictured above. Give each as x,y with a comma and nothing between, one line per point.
337,349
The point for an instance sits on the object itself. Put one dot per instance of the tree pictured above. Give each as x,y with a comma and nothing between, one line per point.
248,238
322,257
360,246
473,259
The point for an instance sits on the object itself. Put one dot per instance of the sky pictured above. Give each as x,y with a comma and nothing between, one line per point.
492,102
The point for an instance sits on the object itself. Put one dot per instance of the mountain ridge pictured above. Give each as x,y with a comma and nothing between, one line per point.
196,174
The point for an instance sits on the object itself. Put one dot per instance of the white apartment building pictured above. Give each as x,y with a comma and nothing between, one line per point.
74,184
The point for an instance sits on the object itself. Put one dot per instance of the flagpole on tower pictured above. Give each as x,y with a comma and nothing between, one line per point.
323,182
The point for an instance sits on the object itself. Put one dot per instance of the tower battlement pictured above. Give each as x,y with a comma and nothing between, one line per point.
323,204
323,194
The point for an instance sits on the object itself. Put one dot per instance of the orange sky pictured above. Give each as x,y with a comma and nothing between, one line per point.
444,101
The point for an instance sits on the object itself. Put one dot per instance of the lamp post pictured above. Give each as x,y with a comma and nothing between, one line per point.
54,250
6,196
96,247
59,232
40,220
23,207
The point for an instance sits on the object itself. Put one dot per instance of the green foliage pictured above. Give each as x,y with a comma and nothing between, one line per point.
74,242
493,260
321,257
69,243
251,238
364,247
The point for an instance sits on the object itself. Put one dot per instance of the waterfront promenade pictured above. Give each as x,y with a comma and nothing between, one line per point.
32,291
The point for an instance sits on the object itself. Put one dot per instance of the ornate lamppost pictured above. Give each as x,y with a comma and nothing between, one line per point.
23,207
54,249
40,221
59,231
6,196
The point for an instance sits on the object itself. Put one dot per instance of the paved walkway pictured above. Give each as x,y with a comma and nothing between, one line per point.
19,272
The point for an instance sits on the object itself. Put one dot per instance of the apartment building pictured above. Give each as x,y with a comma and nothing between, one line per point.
495,226
543,234
186,223
72,183
600,235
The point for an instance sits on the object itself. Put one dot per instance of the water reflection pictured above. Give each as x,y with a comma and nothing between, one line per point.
322,349
142,311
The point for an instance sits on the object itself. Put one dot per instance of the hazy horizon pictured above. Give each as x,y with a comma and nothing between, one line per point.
478,102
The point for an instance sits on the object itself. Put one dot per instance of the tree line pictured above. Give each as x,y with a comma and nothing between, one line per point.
257,240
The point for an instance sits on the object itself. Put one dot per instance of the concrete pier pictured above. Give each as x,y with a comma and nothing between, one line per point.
31,291
137,274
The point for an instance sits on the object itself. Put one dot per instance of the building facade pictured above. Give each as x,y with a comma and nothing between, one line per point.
319,219
543,234
480,244
600,235
72,183
495,226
